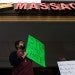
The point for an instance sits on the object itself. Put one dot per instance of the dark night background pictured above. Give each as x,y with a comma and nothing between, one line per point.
58,37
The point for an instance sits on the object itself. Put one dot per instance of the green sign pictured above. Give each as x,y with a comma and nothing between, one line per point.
36,51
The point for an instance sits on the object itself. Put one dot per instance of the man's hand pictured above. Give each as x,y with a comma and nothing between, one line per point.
24,55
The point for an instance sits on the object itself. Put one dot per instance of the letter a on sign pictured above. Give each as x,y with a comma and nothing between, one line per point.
36,51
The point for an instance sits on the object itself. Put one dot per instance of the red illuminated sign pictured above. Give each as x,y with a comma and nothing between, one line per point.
44,6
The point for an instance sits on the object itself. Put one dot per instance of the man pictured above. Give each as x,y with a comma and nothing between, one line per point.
21,64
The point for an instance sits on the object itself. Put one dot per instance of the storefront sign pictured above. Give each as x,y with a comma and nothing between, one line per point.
43,9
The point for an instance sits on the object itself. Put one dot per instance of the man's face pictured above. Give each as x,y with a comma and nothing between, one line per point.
21,45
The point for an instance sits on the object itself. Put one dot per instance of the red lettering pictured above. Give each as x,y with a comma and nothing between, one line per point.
33,6
21,6
54,6
72,5
65,6
44,6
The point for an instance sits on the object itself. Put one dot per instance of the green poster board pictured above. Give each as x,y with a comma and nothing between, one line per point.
36,50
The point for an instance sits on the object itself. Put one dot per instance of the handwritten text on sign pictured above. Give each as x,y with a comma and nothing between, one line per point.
67,67
36,50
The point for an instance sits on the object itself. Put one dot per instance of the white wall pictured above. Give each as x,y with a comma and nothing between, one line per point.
22,1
